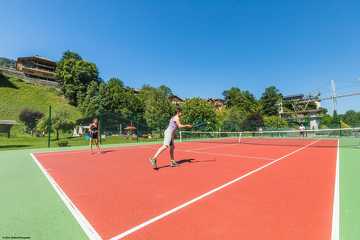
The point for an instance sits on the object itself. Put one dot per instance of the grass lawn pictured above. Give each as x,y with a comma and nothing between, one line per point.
349,189
27,141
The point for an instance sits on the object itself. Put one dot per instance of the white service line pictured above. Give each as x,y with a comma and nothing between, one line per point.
88,150
335,231
84,223
190,149
229,155
221,145
219,154
171,211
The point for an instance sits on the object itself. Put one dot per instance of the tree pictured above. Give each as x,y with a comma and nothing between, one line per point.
274,122
74,75
335,123
221,115
234,119
117,98
269,101
326,121
30,119
115,103
352,118
166,90
71,55
158,110
43,125
91,103
61,122
234,97
253,122
199,111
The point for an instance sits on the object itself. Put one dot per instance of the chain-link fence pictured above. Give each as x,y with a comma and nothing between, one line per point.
56,128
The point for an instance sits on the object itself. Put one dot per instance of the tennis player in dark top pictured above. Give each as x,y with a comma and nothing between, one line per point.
94,134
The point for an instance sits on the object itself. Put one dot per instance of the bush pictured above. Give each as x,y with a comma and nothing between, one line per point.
198,111
233,119
275,122
63,143
253,122
30,119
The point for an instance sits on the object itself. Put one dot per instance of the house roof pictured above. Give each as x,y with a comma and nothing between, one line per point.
174,97
295,96
216,100
39,58
130,128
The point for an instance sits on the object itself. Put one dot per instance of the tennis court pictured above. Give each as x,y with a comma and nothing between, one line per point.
252,187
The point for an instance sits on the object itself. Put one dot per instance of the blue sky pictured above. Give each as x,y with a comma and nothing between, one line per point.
198,48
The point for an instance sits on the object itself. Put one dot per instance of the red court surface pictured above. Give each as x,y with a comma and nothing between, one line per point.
266,189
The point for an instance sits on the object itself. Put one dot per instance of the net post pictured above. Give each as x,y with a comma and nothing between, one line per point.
49,127
180,133
137,130
239,140
100,127
340,132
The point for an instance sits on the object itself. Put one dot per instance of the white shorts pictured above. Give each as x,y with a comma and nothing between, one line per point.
169,137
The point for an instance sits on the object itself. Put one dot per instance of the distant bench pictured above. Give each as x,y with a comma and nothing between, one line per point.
6,125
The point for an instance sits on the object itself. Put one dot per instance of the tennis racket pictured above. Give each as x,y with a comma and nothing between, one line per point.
200,124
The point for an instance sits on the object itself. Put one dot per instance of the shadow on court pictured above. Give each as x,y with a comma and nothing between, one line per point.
107,151
186,161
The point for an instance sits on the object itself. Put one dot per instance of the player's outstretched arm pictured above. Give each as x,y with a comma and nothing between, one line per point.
180,125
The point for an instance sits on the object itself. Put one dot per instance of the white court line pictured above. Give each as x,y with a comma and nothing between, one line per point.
171,211
84,223
229,155
88,150
221,145
218,146
219,154
335,231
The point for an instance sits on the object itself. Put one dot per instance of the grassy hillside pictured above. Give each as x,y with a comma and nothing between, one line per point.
15,95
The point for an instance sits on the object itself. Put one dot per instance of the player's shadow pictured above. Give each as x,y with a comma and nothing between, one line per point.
107,151
186,161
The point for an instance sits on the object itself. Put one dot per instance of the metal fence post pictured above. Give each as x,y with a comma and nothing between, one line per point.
49,127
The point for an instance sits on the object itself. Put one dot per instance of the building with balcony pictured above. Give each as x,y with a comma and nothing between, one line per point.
37,67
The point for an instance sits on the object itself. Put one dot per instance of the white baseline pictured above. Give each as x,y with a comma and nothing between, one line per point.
80,218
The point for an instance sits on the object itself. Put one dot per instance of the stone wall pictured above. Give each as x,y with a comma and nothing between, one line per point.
14,73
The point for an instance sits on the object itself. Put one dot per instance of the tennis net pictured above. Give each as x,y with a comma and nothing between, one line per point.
279,137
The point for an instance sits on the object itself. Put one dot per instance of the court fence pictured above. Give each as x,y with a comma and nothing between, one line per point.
55,130
351,136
